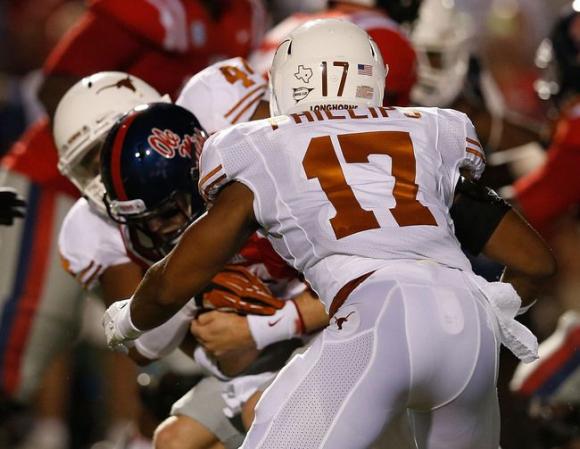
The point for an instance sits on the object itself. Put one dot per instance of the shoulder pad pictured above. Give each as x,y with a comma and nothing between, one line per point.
89,244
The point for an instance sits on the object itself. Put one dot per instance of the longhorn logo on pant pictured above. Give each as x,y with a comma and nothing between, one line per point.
340,321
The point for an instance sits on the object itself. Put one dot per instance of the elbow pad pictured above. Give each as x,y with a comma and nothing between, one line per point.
476,212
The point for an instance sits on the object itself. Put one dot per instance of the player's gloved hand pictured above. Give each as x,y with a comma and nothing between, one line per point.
119,330
11,206
235,289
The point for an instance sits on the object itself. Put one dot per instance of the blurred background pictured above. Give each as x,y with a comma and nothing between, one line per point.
74,410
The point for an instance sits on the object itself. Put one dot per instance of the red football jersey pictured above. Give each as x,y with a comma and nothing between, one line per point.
554,188
163,42
395,47
35,156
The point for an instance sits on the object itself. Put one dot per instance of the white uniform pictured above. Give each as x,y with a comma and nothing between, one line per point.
221,95
343,194
89,244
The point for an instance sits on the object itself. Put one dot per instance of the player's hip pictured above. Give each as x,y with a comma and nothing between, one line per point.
439,326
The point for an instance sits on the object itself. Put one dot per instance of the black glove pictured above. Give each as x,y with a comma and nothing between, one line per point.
11,206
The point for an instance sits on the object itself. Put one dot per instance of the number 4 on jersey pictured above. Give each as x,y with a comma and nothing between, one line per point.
321,162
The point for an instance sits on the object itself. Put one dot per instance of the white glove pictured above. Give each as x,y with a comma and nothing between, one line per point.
119,329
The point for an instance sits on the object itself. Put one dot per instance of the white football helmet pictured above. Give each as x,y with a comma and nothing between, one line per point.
326,63
442,38
82,119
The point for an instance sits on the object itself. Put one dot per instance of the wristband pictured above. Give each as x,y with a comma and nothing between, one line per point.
125,325
285,324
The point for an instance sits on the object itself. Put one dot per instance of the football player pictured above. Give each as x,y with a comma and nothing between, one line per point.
223,94
546,196
162,42
551,190
381,19
357,197
451,74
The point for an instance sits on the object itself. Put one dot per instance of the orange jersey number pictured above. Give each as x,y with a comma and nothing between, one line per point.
320,161
233,74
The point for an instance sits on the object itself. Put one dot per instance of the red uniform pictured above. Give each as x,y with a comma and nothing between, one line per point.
395,47
554,188
161,41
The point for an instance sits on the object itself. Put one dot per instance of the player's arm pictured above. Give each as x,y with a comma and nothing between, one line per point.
485,223
202,251
225,333
528,260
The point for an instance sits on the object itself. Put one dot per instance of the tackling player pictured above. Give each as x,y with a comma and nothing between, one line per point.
357,197
163,42
234,92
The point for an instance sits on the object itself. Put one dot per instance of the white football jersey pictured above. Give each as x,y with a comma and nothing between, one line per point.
339,192
223,94
89,244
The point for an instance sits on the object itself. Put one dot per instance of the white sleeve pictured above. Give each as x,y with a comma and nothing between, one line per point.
474,157
459,147
229,156
89,244
162,340
212,173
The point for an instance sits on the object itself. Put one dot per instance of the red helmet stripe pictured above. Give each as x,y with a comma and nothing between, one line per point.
116,157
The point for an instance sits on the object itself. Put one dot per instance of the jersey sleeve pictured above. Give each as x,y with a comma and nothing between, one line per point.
89,245
212,173
226,157
35,155
94,44
552,189
459,147
224,94
161,22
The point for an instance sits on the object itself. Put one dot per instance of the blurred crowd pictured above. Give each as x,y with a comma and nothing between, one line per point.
488,58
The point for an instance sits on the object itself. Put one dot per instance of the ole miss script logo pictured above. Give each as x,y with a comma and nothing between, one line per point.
168,144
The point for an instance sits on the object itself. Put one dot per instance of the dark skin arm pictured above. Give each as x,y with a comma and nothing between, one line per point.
203,250
528,260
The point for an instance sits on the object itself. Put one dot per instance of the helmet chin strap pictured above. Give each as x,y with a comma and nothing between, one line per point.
94,191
